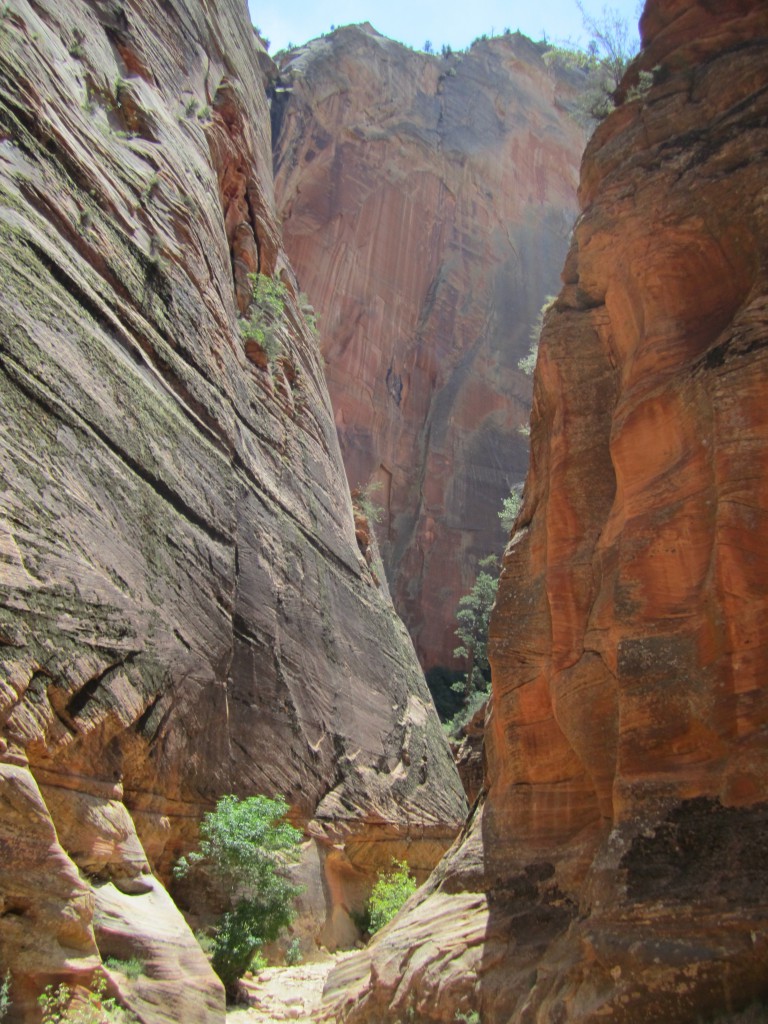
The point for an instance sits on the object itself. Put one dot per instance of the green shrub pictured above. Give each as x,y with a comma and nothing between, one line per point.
131,968
362,501
58,1006
389,893
510,509
265,312
293,955
245,843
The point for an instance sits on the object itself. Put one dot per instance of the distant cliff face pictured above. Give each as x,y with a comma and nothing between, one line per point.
617,870
426,205
185,611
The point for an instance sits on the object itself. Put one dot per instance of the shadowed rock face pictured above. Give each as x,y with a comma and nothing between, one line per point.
185,611
426,205
613,872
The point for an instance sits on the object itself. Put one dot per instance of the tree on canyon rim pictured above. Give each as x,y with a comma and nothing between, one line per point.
610,48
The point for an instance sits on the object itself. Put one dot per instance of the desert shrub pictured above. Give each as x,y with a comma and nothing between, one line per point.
264,314
528,362
293,955
246,844
467,711
131,968
611,47
362,500
58,1006
390,892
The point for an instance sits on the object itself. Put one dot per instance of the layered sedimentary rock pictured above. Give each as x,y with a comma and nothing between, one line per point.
616,870
426,205
185,611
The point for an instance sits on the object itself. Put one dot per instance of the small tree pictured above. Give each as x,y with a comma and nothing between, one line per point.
390,892
473,616
245,843
611,47
510,508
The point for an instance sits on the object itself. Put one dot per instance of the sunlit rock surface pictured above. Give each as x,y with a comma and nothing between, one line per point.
426,205
185,611
617,865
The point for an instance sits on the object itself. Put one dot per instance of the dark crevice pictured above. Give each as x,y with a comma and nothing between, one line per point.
141,722
86,693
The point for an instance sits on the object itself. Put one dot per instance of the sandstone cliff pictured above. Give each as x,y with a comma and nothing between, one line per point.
426,205
617,869
185,611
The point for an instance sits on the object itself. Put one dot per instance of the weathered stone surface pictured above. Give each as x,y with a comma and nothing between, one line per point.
469,757
426,205
627,763
185,611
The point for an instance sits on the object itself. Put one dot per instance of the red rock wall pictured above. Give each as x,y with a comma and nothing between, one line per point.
184,610
426,205
617,871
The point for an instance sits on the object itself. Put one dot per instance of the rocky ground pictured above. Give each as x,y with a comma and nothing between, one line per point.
285,993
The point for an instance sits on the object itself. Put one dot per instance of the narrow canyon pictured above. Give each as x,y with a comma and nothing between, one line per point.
191,605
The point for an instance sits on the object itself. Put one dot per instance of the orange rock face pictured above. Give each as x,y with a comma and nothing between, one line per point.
184,610
426,205
619,852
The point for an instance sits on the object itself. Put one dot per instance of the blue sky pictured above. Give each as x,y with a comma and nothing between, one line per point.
455,24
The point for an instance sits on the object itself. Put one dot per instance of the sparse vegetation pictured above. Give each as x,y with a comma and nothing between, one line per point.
293,954
473,615
467,1017
610,49
131,968
528,363
266,310
60,1005
246,843
5,995
362,500
388,895
510,507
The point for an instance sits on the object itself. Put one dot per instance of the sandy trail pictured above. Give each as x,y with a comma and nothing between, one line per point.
280,994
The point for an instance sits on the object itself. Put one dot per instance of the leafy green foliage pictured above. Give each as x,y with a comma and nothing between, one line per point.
473,616
390,892
5,995
264,314
246,843
59,1006
510,508
469,1017
293,954
131,968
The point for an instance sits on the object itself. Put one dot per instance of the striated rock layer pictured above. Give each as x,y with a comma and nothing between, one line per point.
185,611
426,205
616,870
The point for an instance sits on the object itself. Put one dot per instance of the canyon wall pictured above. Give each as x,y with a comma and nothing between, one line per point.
616,870
185,610
426,205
